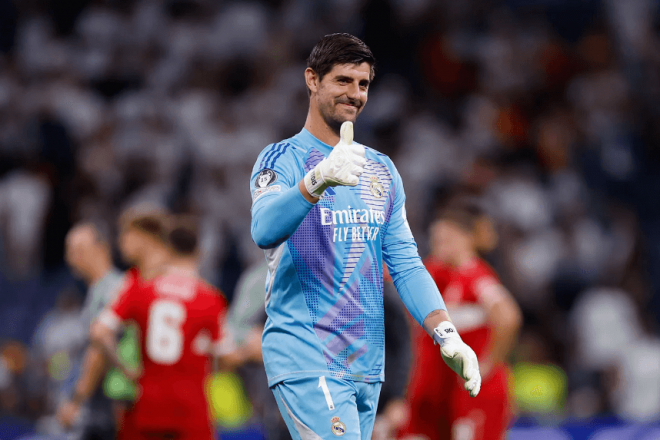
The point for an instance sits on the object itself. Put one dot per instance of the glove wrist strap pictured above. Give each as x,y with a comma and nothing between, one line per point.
443,332
314,182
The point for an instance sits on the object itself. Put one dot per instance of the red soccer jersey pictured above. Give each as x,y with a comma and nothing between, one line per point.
440,408
466,294
179,317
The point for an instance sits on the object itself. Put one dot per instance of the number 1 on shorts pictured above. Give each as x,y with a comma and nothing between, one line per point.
328,398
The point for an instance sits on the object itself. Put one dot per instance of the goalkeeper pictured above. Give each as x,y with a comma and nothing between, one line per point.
328,211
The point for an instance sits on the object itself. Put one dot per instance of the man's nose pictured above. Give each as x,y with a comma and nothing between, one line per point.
353,91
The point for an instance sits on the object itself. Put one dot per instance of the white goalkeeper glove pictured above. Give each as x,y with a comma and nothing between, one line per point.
342,167
458,356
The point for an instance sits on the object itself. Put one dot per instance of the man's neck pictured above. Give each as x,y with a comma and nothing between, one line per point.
317,126
184,264
464,258
153,263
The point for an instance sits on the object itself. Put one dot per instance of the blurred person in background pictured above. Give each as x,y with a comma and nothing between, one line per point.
241,348
393,412
58,346
180,320
489,320
15,395
89,255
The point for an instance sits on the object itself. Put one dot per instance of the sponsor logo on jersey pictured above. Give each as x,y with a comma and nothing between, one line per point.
338,428
348,216
376,188
366,223
265,178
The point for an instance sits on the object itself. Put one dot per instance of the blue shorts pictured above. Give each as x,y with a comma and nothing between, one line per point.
326,408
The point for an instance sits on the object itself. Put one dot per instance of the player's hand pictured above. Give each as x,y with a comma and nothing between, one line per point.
342,167
132,373
458,356
68,414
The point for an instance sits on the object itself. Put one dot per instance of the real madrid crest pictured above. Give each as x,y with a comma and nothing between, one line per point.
338,427
376,188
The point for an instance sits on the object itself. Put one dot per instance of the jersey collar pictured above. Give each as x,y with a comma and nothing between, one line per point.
308,138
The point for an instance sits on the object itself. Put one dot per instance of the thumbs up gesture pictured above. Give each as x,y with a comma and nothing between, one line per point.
342,167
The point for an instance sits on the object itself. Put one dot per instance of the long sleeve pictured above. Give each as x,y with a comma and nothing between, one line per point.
278,216
416,288
278,207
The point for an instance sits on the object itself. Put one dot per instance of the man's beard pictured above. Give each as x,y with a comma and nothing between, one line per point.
330,117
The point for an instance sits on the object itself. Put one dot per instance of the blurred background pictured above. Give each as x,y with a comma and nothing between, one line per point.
548,111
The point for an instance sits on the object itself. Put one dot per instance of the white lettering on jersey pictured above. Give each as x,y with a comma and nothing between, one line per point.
164,341
364,218
357,233
176,286
348,216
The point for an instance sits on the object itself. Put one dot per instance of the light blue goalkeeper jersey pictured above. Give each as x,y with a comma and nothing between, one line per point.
324,290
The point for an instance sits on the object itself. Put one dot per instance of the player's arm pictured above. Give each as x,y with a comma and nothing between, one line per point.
421,296
92,371
226,352
279,210
505,320
93,367
104,338
105,330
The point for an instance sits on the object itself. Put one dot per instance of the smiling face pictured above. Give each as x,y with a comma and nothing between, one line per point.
341,94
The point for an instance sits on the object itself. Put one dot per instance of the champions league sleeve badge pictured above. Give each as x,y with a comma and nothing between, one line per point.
265,178
263,183
338,427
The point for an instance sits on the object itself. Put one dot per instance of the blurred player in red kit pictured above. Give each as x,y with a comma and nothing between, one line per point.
143,244
180,319
488,320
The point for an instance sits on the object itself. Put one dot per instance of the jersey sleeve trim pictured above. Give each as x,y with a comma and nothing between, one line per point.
270,158
275,157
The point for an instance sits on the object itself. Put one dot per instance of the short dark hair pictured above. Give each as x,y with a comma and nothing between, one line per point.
151,222
463,212
153,225
183,236
340,48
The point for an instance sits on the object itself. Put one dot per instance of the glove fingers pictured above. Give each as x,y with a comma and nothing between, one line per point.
357,170
351,180
473,386
468,368
357,149
359,160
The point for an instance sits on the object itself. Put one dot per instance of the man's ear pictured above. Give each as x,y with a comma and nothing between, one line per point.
312,80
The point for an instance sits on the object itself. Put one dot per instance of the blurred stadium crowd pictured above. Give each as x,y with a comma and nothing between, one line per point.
547,112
